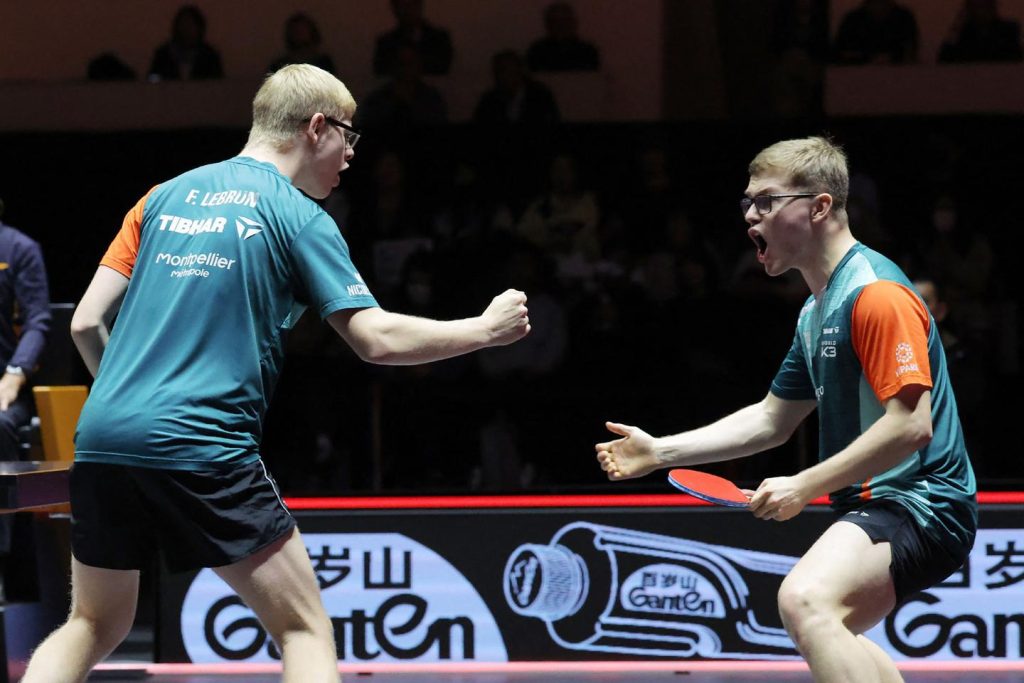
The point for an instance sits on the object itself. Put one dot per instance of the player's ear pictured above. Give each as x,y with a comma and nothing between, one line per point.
821,208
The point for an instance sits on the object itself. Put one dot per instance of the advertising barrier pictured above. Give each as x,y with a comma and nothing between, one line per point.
560,582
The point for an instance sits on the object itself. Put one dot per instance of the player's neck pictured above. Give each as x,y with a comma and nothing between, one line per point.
285,161
835,246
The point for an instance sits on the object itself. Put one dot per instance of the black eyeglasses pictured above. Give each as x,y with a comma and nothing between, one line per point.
350,134
763,202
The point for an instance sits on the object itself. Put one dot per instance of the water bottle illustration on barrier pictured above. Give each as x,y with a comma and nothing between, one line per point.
605,589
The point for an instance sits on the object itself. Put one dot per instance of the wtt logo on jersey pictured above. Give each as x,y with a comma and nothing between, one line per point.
247,227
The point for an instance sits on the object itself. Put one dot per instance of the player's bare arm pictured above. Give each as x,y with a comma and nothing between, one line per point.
904,428
90,325
752,429
387,338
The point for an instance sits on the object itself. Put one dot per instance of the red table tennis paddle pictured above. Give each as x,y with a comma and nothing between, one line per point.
709,487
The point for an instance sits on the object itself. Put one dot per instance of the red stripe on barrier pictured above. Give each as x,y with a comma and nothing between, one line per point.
551,501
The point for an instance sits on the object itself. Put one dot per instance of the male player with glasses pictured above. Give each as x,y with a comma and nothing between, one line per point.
867,355
207,274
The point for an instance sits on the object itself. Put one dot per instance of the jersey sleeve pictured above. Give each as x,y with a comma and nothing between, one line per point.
124,250
793,381
325,271
889,327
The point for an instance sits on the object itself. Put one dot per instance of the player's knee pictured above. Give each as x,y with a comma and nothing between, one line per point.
108,627
798,604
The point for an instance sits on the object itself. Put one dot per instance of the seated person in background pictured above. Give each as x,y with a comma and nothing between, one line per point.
405,101
515,97
433,43
302,45
563,221
877,32
24,323
979,34
561,49
187,56
24,304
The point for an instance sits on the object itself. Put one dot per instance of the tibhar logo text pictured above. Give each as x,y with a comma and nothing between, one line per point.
190,226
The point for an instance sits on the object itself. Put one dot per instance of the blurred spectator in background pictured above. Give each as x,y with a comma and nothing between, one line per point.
800,45
969,367
563,222
956,253
187,56
637,214
979,34
24,324
388,222
516,128
433,44
107,66
958,260
515,97
302,45
802,24
523,437
561,48
405,101
877,32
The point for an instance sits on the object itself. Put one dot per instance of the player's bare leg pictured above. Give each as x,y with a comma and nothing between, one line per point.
839,589
102,612
279,585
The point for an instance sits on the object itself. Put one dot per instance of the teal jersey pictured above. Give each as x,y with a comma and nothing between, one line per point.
868,336
221,262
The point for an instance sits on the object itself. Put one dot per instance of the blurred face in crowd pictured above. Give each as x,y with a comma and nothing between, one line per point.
563,175
188,28
879,9
560,21
508,72
407,12
301,35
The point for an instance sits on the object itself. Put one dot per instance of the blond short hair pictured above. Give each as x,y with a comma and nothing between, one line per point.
292,94
816,164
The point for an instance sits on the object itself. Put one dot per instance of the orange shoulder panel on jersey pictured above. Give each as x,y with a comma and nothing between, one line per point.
124,250
889,327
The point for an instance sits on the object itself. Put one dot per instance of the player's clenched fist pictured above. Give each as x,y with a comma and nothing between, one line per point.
507,317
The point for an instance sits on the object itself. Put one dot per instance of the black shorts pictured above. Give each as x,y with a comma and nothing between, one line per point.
122,516
918,560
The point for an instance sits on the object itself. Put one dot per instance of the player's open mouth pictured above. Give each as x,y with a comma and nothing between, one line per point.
762,245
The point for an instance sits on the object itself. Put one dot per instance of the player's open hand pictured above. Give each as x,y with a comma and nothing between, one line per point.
778,498
629,457
507,318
